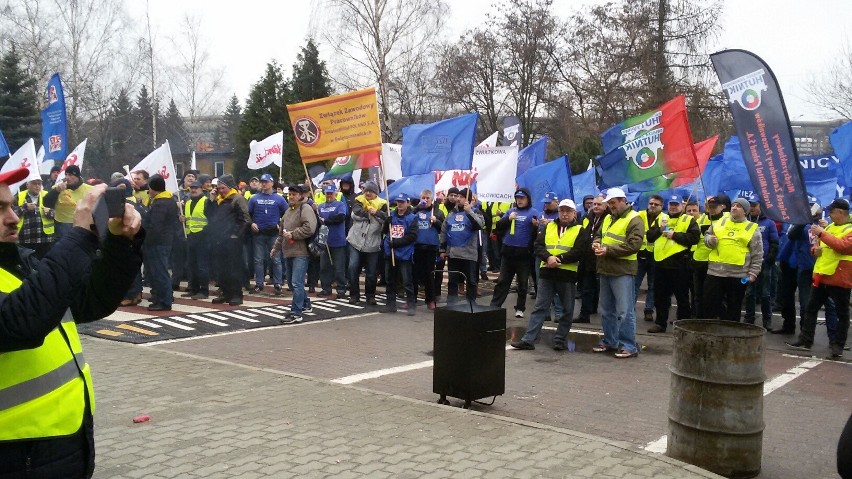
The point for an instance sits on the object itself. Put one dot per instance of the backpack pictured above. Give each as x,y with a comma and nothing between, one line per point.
319,239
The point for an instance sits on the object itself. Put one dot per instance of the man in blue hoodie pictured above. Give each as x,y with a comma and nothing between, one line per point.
400,231
521,226
266,208
761,287
333,213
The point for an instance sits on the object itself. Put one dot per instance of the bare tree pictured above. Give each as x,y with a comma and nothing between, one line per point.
833,90
193,80
27,27
378,40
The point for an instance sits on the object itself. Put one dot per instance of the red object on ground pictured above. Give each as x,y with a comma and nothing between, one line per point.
143,418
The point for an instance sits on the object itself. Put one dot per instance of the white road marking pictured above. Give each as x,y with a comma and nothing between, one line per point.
209,321
233,315
172,324
659,445
382,372
146,323
183,320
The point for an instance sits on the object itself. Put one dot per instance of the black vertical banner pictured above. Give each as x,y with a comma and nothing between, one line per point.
766,138
512,133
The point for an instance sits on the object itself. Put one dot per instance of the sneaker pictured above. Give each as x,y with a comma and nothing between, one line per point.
624,354
291,319
649,315
559,346
235,302
198,296
431,306
308,309
411,311
786,332
600,348
355,301
277,289
372,301
656,329
256,289
187,295
220,300
582,319
522,345
798,345
519,313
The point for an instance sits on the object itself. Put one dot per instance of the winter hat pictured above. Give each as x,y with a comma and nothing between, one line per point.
156,183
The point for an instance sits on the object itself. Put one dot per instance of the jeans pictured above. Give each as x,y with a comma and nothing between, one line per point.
370,263
618,312
646,266
404,270
511,266
469,270
722,298
668,282
819,296
333,268
297,268
760,288
548,291
157,268
197,255
262,247
424,270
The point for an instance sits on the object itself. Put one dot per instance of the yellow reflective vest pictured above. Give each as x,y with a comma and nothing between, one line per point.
664,247
196,220
66,204
700,251
828,261
46,223
732,241
616,232
42,389
557,245
644,215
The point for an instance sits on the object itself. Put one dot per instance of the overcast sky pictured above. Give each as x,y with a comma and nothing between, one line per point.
798,39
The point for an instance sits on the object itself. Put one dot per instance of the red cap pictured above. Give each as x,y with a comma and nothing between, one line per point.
14,176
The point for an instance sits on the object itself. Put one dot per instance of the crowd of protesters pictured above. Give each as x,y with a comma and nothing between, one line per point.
263,237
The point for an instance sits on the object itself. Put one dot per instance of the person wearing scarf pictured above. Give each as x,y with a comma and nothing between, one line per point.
228,225
161,225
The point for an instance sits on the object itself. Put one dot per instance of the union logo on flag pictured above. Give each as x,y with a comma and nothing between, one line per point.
645,150
746,90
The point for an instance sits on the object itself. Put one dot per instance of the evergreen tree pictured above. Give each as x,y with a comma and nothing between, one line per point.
143,140
265,113
172,128
310,76
226,132
19,113
124,121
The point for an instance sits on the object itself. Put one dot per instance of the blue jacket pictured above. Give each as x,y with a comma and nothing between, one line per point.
524,233
769,235
333,215
266,211
403,234
428,232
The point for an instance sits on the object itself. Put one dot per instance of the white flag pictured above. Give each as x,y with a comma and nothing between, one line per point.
25,157
266,152
392,160
192,162
159,162
75,158
489,142
491,175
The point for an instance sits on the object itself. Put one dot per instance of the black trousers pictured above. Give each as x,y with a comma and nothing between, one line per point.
699,273
228,256
470,270
424,269
510,267
178,260
667,282
590,288
819,295
718,290
71,457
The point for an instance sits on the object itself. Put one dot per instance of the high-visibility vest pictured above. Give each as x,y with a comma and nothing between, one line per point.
613,233
142,197
828,261
732,241
644,215
700,251
557,245
42,389
664,247
195,218
66,204
319,196
46,223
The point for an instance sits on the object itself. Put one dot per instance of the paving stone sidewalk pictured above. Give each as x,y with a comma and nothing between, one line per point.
213,419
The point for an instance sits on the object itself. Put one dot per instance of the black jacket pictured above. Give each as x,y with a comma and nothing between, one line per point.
229,219
162,222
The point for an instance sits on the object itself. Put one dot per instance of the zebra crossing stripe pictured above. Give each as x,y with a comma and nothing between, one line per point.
217,316
325,308
146,323
183,320
339,302
247,313
202,318
248,320
276,316
172,324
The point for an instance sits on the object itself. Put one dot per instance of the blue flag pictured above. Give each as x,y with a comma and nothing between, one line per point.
841,141
825,190
531,156
553,176
54,125
4,148
734,174
410,186
583,184
440,146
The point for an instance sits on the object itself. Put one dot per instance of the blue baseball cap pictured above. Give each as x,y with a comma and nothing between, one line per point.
750,196
401,197
329,189
675,199
550,196
521,194
266,177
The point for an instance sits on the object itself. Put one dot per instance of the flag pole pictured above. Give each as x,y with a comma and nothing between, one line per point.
387,205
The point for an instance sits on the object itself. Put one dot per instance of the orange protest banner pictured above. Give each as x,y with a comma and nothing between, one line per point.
342,125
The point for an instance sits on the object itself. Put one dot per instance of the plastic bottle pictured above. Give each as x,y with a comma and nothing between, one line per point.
744,280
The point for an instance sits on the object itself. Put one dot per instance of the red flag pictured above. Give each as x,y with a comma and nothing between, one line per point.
703,151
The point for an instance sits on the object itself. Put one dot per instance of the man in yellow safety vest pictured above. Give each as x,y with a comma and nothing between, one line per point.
46,398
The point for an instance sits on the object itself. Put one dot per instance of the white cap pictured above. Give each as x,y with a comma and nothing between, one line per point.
614,193
569,203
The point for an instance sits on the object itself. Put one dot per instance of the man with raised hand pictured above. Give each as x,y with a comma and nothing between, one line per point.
46,396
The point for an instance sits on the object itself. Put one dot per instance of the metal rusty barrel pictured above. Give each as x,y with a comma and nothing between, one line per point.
716,397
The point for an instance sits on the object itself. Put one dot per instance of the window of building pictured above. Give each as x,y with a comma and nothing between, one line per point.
219,168
179,169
